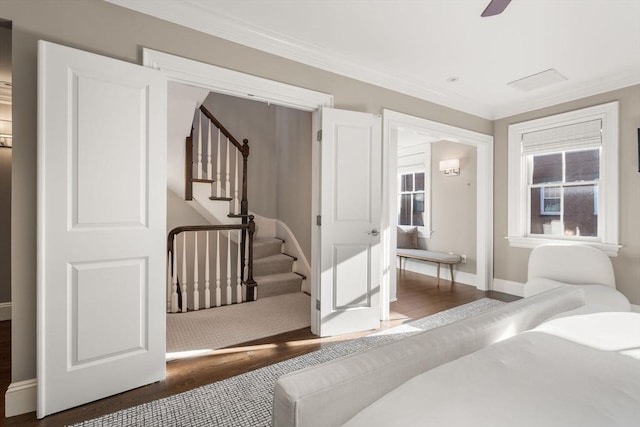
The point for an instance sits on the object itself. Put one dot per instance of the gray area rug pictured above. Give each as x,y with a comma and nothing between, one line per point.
245,400
203,331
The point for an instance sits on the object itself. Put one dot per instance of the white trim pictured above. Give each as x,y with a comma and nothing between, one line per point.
5,311
484,144
227,27
532,242
234,83
508,287
608,204
21,398
219,24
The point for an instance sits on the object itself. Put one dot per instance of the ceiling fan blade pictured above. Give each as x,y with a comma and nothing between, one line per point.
495,7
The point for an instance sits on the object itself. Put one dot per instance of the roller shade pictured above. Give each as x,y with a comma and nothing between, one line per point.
581,135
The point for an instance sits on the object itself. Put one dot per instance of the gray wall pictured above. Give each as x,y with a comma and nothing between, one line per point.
511,263
453,203
106,29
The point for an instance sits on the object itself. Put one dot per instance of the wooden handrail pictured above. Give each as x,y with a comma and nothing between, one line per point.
224,130
248,228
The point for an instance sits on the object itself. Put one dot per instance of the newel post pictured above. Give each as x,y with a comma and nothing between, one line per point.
244,203
252,290
188,167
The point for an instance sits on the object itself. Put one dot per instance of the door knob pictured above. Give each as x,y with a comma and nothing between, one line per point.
373,232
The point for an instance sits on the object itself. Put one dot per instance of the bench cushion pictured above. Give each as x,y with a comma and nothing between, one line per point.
429,255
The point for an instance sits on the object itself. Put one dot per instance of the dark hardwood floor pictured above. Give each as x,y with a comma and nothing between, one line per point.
418,296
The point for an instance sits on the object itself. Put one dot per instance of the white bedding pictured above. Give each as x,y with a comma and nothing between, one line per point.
582,371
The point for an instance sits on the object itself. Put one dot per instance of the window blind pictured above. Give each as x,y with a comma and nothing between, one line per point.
581,135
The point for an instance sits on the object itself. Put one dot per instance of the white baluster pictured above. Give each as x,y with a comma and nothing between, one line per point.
227,189
199,158
218,296
235,186
196,291
174,277
218,165
184,273
207,291
209,157
229,292
238,270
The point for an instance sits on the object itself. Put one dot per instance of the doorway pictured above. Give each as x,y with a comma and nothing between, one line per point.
394,123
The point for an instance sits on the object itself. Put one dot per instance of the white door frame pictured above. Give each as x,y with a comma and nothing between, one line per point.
241,85
484,205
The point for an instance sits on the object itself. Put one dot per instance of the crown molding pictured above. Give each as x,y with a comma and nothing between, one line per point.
189,13
192,15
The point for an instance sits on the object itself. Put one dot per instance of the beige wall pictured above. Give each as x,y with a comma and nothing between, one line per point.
179,212
106,29
293,186
511,263
279,170
256,122
453,203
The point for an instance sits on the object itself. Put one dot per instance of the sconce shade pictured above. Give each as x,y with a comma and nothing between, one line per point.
450,167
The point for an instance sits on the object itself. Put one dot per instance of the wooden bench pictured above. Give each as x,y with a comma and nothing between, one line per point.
430,256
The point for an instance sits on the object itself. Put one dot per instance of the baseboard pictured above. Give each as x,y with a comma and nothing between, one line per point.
508,287
431,269
635,308
5,311
21,398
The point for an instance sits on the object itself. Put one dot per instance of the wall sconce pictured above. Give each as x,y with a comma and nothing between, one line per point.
450,167
6,133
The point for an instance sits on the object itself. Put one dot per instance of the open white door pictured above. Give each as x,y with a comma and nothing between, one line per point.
348,293
101,227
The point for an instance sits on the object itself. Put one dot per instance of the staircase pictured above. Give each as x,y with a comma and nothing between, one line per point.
274,270
238,266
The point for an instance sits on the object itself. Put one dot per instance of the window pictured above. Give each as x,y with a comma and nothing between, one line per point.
411,198
563,183
414,183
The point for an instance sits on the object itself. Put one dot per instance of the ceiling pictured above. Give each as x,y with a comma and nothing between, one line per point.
438,50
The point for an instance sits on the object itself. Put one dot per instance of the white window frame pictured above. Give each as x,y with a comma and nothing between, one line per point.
411,160
608,195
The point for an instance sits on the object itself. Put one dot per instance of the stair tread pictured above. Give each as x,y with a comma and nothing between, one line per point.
266,240
272,258
276,277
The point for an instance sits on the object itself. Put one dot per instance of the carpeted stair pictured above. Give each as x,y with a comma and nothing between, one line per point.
273,270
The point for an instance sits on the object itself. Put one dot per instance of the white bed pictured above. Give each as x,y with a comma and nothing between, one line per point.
581,370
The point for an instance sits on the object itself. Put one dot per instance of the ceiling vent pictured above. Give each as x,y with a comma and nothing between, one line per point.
538,80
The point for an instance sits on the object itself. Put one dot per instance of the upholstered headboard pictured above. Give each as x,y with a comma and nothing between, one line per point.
573,264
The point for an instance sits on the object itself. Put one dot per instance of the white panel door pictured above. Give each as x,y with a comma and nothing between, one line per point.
350,203
101,227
